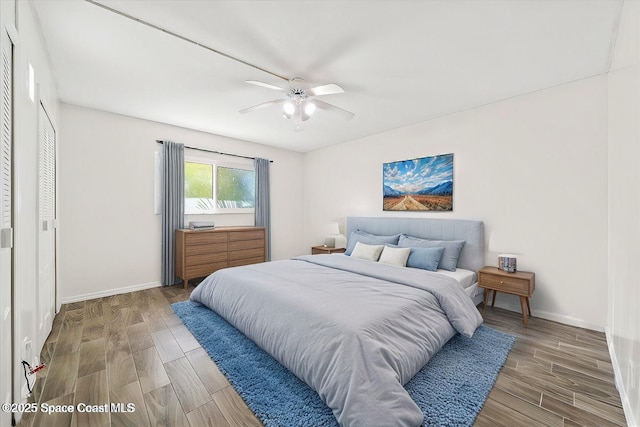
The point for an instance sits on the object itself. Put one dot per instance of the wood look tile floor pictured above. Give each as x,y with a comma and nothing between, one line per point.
132,348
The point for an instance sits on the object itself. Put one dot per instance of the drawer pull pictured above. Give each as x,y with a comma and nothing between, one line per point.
502,283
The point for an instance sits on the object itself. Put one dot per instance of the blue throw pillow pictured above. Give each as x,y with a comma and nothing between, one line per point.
369,239
425,258
451,253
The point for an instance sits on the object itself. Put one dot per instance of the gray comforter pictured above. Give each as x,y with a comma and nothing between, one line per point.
355,331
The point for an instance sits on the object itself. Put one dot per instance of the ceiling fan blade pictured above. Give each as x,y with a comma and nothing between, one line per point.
263,105
324,90
267,85
347,115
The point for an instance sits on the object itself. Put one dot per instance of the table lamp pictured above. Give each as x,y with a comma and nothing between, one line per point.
506,262
334,239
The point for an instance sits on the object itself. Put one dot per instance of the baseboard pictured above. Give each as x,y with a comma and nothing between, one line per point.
624,396
554,317
109,292
568,320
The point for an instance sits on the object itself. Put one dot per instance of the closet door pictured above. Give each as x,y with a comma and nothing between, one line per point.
47,227
6,224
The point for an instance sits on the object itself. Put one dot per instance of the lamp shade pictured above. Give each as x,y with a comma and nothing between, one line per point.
333,228
497,244
334,236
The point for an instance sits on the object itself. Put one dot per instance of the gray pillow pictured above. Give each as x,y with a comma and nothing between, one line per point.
451,253
369,239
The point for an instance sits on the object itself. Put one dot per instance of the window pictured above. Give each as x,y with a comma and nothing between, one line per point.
235,188
218,187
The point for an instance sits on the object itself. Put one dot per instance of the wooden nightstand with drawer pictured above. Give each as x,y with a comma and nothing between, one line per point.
521,283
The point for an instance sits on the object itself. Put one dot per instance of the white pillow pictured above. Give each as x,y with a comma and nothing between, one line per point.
364,251
395,256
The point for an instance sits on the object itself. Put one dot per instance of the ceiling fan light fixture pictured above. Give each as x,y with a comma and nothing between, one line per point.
305,111
309,108
288,109
300,104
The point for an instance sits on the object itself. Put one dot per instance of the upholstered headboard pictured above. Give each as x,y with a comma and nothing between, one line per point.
471,231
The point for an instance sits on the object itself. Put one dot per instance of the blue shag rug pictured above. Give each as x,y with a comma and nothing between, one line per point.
450,389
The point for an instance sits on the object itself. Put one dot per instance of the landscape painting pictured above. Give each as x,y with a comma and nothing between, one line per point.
424,184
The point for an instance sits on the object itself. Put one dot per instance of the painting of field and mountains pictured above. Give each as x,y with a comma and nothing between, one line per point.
424,184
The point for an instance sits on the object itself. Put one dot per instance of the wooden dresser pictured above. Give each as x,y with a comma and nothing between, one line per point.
201,252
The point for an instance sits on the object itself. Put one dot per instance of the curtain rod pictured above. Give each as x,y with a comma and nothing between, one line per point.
213,151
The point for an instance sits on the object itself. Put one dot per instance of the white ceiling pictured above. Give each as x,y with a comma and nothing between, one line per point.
399,62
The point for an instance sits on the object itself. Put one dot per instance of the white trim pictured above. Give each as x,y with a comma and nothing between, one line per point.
568,320
624,396
554,317
110,292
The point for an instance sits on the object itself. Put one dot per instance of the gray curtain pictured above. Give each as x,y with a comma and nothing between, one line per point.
262,209
172,206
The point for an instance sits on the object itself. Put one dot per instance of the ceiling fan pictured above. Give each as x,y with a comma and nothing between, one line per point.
299,103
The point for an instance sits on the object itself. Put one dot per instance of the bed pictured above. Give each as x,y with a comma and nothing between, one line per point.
354,330
471,231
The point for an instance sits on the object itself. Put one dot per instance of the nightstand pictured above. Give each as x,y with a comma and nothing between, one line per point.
315,250
521,283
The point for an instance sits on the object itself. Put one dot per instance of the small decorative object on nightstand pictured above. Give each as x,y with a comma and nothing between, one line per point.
521,283
507,262
315,250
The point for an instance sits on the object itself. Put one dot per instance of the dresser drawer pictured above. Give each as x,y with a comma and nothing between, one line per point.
241,245
205,238
193,250
235,236
246,254
512,285
204,269
209,258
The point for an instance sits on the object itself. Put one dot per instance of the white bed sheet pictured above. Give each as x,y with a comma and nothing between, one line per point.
465,277
469,281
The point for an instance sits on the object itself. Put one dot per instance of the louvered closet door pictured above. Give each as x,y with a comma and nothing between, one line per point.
6,238
47,232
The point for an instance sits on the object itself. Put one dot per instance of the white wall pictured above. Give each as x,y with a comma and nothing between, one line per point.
109,235
533,168
624,210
